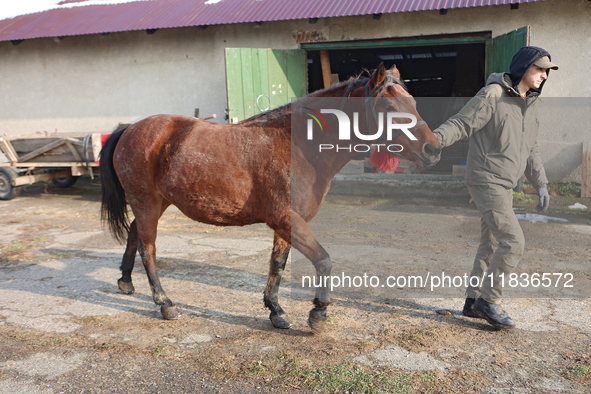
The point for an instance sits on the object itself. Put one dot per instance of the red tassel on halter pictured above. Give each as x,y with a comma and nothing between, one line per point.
384,161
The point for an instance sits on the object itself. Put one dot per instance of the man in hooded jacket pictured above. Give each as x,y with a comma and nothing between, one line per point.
502,124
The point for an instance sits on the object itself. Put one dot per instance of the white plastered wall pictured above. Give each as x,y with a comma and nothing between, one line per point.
91,83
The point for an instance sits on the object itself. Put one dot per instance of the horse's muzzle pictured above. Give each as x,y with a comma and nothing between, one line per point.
430,155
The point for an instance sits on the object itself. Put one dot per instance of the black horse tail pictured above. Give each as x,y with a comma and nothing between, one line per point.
113,201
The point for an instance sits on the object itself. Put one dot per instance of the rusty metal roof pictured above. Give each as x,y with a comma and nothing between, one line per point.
161,14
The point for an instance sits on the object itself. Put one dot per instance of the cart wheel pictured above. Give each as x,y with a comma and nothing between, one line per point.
7,191
65,181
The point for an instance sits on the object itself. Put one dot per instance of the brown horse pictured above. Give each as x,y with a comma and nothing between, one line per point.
234,175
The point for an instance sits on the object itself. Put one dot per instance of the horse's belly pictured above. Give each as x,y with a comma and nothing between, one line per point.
215,210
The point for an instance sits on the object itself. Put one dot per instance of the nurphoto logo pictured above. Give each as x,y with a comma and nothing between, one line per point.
344,132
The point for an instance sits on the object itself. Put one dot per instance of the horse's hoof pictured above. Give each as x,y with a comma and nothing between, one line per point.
126,287
170,312
316,320
280,321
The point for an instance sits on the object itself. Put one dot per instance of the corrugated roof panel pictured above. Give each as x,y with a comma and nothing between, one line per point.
160,14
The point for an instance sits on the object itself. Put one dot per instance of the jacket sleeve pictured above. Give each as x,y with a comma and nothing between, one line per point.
534,171
473,117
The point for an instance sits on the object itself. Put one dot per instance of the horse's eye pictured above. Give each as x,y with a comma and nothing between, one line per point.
387,106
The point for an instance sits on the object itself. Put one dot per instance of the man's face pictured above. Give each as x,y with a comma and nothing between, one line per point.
534,77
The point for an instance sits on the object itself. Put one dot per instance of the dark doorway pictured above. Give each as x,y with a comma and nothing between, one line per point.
450,73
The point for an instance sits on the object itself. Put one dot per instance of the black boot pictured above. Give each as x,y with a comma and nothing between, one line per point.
467,311
493,314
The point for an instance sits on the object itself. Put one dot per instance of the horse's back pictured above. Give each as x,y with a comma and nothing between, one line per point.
214,173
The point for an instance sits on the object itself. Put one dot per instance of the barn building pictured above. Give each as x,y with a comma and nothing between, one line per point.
85,66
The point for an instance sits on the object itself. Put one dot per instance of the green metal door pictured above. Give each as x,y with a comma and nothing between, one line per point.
259,79
500,50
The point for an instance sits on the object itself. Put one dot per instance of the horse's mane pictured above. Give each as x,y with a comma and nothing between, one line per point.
281,114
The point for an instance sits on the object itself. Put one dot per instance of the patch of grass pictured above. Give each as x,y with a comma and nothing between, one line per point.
255,368
420,337
23,337
522,197
581,273
12,248
44,238
58,341
352,219
565,189
160,351
39,341
377,235
349,378
44,226
365,345
224,368
411,337
427,379
93,319
580,371
344,377
338,378
66,255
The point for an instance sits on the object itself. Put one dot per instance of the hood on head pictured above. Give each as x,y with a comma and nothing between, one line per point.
523,60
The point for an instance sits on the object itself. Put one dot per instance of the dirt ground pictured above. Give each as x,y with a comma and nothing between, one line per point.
66,328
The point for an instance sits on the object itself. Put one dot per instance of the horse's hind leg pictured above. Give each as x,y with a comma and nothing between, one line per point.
147,223
125,284
277,265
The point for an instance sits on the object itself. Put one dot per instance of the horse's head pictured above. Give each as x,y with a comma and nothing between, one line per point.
391,96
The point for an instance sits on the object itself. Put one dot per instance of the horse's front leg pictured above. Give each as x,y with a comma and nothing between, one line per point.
125,283
277,265
304,241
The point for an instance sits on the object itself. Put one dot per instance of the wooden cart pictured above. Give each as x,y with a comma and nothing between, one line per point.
58,157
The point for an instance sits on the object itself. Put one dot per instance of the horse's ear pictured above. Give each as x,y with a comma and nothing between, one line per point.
395,71
378,76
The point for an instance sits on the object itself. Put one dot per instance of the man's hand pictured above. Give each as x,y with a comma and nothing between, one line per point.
544,199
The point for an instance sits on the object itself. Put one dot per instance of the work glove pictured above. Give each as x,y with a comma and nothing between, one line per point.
544,199
439,138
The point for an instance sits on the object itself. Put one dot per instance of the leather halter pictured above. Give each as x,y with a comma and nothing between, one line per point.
370,94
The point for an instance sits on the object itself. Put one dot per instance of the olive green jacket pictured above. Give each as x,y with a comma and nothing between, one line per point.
503,131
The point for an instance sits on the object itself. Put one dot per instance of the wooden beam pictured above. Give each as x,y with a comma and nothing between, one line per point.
30,179
42,150
325,62
74,151
8,150
47,164
586,178
363,44
334,79
81,170
74,141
